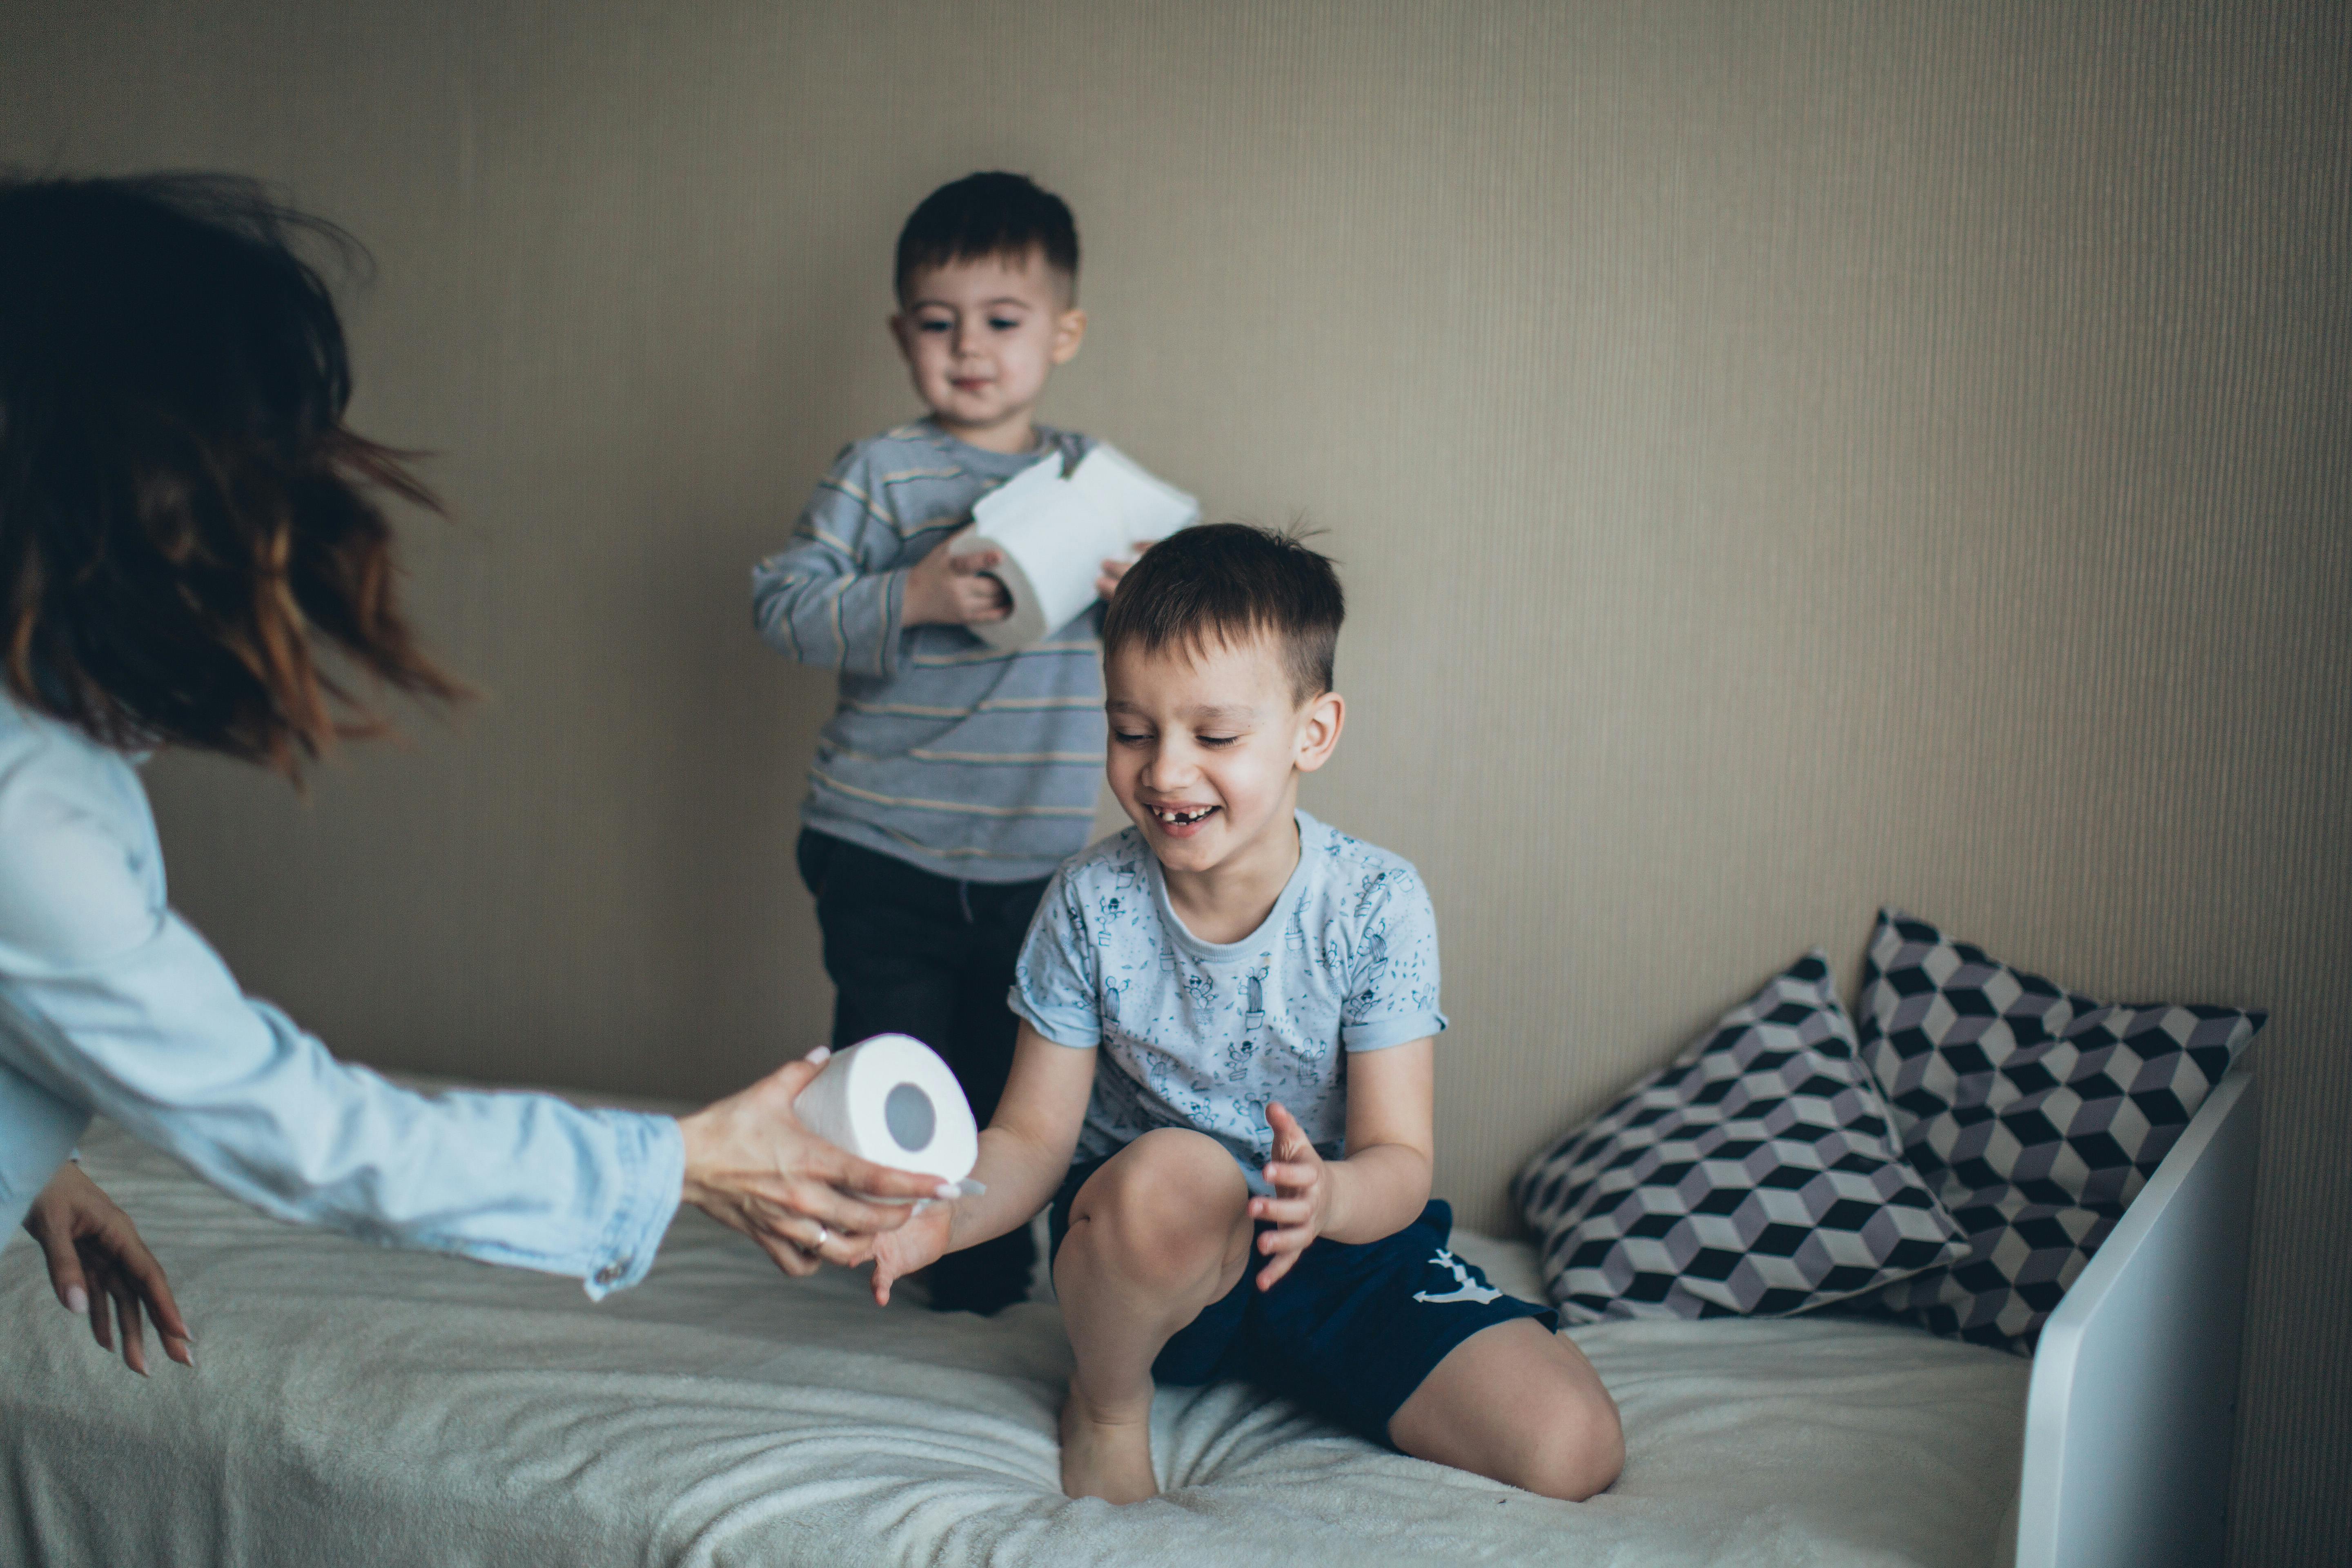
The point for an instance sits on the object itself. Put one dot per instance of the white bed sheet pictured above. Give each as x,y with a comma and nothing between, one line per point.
358,1406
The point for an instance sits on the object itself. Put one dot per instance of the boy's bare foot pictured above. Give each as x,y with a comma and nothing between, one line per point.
1108,1459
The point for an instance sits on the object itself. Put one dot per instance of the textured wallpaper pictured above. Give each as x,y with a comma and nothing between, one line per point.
1784,459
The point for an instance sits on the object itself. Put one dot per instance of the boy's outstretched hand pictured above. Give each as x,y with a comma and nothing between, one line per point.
916,1244
1301,1205
751,1166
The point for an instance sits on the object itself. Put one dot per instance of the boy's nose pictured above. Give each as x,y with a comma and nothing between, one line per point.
1168,770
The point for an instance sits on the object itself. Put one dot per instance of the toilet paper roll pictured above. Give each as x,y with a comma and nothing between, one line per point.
1055,533
892,1100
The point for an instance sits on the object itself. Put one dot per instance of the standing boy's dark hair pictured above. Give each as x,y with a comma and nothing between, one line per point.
1228,583
982,215
184,520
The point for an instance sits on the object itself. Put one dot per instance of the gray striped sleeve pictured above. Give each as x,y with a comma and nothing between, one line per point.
832,598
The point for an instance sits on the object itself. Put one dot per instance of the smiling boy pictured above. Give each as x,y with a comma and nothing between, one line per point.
953,777
1223,1083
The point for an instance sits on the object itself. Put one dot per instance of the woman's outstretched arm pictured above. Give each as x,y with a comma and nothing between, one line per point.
111,1004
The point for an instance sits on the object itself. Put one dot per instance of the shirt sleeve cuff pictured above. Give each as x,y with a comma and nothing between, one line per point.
39,1134
1076,1028
651,1154
1379,1034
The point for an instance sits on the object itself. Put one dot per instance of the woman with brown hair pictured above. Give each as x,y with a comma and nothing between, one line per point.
186,525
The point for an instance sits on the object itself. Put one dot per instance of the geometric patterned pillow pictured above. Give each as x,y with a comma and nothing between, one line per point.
1757,1174
2037,1114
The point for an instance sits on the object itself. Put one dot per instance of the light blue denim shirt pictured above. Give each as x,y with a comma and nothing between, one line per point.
110,1004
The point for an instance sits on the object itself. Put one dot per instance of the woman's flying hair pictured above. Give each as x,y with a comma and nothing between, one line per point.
184,520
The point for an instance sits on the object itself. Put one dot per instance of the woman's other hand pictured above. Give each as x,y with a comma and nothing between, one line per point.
95,1258
750,1165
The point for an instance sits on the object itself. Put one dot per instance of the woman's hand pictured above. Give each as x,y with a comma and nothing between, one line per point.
751,1166
955,590
1301,1205
95,1256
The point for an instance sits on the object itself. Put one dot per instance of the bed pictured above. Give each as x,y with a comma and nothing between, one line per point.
357,1406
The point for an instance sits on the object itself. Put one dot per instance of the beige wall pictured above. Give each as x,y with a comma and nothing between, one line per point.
1785,458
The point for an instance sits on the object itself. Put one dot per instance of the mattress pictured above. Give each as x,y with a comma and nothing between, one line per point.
353,1404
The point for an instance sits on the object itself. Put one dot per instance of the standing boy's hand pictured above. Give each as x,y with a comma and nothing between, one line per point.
945,588
1301,1205
1114,567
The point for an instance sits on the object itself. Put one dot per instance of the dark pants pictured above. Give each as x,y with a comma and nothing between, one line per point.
914,953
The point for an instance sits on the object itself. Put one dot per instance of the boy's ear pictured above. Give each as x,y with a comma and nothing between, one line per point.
1319,735
1069,332
897,324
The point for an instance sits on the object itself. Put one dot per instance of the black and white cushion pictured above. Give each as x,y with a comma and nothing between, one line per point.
1757,1174
2036,1112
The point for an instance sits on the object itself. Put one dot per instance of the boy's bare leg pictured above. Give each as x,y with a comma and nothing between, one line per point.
1520,1405
1156,1235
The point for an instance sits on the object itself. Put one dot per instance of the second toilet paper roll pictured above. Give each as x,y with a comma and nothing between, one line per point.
1053,534
892,1100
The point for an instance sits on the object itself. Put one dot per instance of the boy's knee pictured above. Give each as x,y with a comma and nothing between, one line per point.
1164,1210
1578,1453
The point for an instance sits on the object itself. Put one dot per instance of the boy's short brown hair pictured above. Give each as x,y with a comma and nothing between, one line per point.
1229,583
988,214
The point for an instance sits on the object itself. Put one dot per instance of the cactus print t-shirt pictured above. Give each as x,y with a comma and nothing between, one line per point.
1205,1035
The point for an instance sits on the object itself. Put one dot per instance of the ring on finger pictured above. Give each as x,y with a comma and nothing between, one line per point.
822,1235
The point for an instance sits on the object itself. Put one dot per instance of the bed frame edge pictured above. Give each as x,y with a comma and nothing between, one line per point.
2132,1407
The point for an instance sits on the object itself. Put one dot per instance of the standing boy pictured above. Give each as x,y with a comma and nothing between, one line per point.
954,776
1223,1079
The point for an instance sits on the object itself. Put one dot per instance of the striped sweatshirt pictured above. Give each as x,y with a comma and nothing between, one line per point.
954,756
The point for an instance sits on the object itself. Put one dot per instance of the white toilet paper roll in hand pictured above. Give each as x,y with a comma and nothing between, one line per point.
1055,533
892,1100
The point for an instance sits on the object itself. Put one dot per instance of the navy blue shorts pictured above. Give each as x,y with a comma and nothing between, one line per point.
1349,1332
